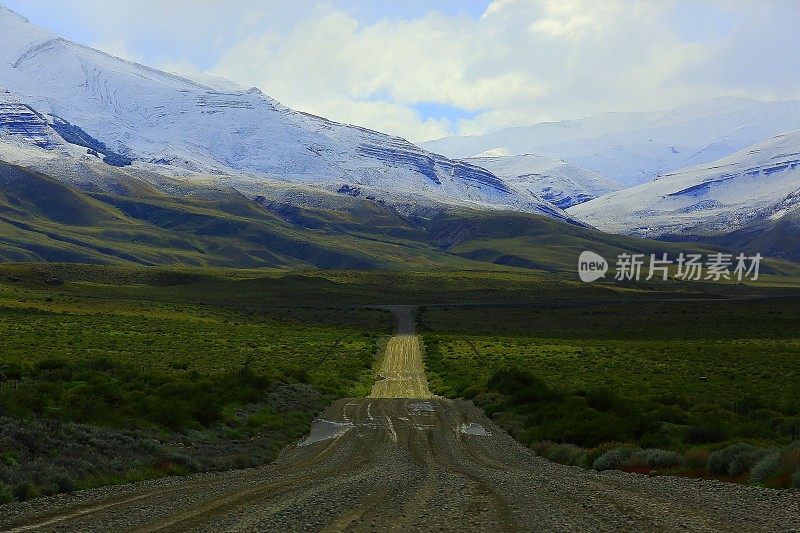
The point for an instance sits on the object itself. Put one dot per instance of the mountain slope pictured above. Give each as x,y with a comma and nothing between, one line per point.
21,124
745,189
554,180
169,124
634,148
776,238
42,219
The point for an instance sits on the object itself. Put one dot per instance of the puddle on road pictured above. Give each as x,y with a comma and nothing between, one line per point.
325,429
474,429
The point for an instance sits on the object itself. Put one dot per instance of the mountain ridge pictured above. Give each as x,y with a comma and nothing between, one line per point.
150,118
636,147
742,190
552,179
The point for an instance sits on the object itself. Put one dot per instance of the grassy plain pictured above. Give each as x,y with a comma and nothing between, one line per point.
688,376
127,372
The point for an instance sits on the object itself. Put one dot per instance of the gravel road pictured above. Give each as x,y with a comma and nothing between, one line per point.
408,464
402,374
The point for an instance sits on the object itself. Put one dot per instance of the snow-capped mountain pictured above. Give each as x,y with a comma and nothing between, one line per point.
132,114
20,123
634,148
747,188
553,179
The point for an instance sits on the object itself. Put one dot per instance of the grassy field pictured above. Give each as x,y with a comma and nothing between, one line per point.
578,380
126,373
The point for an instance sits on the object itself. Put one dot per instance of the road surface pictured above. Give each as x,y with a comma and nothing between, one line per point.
402,374
411,463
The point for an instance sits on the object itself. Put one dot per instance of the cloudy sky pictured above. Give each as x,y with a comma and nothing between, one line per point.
427,69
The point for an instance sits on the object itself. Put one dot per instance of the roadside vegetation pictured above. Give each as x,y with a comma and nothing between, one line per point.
116,380
696,388
111,374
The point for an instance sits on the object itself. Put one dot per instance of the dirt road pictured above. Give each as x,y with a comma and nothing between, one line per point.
405,464
402,374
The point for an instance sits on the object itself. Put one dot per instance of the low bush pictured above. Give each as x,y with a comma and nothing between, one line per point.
780,468
6,493
796,480
628,458
704,435
736,459
547,414
612,459
520,386
654,458
592,454
127,397
565,454
42,457
696,458
765,468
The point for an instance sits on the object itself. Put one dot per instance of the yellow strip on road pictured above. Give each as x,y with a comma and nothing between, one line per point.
402,374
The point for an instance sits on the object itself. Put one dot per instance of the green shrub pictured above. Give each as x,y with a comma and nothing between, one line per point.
6,494
521,386
671,413
612,459
796,480
471,391
53,456
26,490
704,435
735,460
787,464
11,458
742,463
696,458
52,363
654,458
601,399
565,454
765,468
593,453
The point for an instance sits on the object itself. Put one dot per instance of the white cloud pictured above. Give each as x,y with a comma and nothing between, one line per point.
117,47
331,65
572,18
521,62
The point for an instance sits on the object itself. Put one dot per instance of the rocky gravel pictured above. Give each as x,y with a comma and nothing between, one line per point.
406,466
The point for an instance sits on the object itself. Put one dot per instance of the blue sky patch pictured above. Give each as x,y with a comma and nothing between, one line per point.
434,110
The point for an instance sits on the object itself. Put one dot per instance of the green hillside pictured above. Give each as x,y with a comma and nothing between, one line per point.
43,219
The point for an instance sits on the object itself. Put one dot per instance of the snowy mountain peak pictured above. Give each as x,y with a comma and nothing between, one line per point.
18,35
12,19
494,152
554,180
634,148
758,183
133,114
